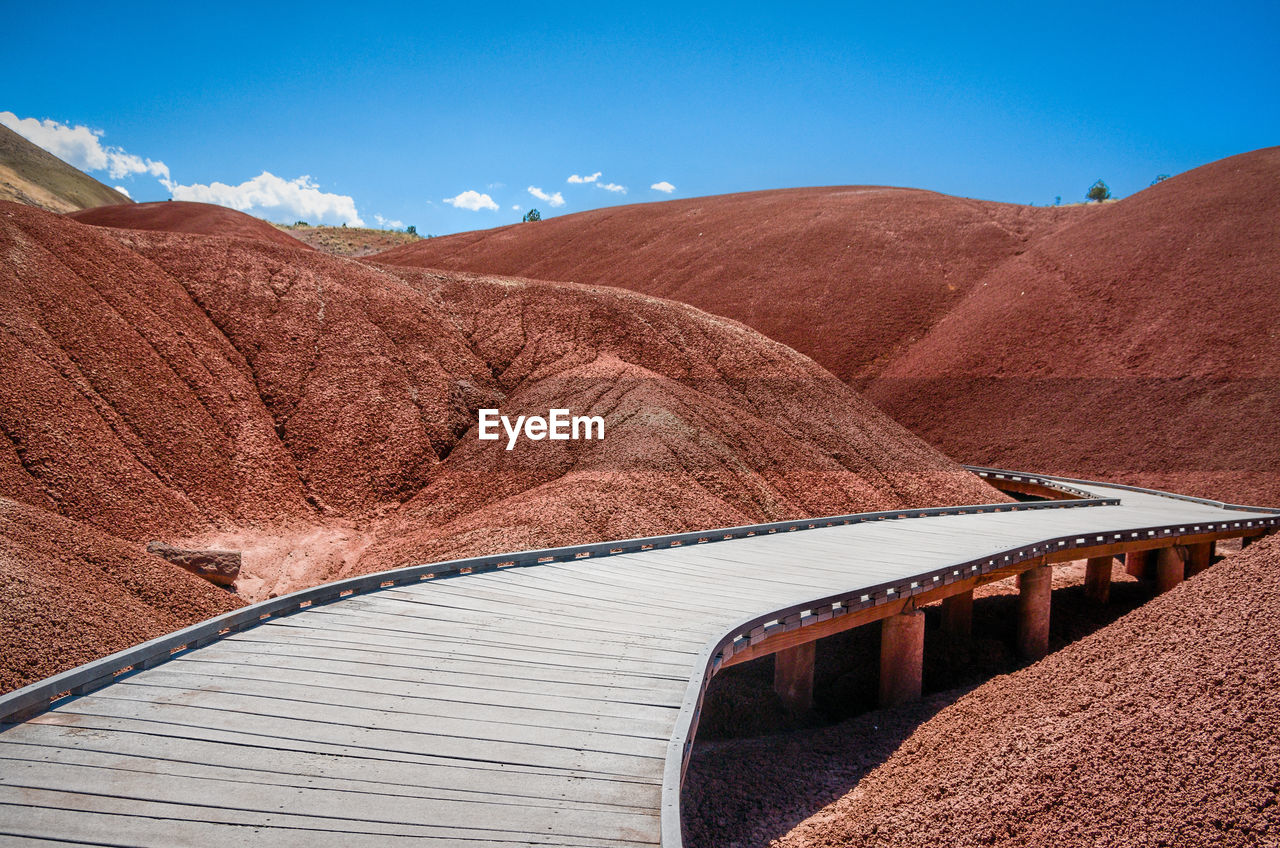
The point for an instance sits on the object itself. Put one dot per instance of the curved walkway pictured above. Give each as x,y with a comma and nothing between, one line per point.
484,703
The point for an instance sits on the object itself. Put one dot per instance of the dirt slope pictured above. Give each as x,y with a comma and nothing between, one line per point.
1141,340
1157,730
320,414
846,275
182,216
30,174
72,593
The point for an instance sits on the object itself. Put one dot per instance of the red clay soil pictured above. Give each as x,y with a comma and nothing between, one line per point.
320,414
1157,730
72,593
182,216
848,275
1142,338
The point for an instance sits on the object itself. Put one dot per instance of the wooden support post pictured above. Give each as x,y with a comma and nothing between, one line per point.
1139,564
1097,579
957,615
1246,541
1035,596
793,677
1199,557
1171,567
901,658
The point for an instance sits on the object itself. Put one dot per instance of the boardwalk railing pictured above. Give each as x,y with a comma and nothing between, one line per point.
31,700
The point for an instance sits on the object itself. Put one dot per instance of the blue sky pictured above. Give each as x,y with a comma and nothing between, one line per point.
391,109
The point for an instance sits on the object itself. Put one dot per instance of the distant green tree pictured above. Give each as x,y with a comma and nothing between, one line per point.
531,215
301,224
411,230
1099,192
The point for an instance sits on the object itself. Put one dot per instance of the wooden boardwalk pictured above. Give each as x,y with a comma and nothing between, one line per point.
486,703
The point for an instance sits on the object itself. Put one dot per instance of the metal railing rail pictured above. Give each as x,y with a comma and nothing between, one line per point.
1062,483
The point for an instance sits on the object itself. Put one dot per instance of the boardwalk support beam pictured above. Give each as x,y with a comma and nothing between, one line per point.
1097,579
793,677
1200,557
1171,567
901,658
1139,564
957,615
1035,596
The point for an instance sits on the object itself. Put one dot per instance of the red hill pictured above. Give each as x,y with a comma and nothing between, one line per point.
846,275
1132,340
180,216
1138,343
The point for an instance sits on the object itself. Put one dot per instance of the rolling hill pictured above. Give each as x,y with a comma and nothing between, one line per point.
1132,340
848,275
181,216
1139,344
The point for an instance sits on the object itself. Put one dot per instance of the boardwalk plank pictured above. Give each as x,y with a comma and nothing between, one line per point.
389,732
332,808
201,758
526,710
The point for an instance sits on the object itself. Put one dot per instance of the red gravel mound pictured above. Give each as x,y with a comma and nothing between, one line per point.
848,275
1157,730
320,414
181,216
1137,344
70,593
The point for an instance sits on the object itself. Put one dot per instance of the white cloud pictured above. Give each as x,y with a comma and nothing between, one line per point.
472,200
497,185
589,179
388,224
82,147
271,195
664,187
515,206
556,199
614,187
124,191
